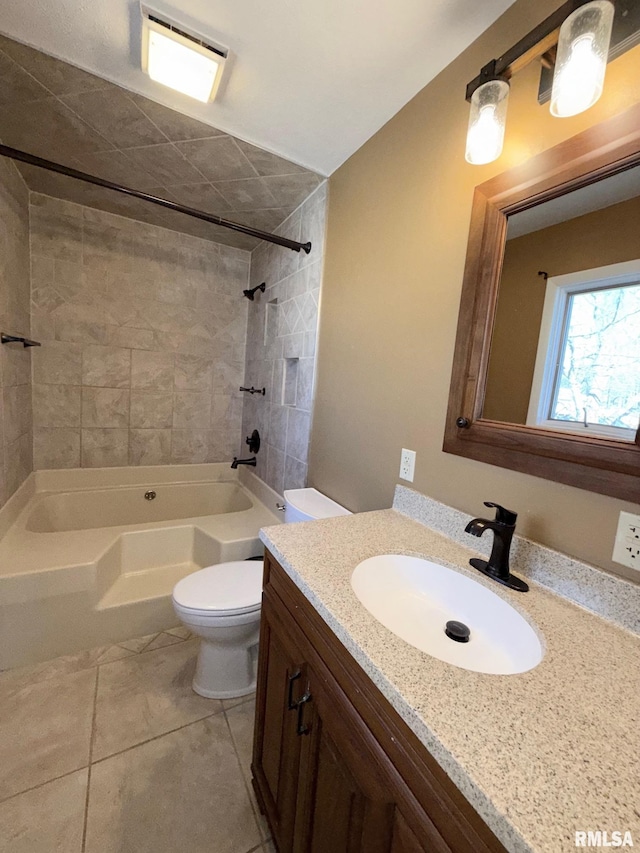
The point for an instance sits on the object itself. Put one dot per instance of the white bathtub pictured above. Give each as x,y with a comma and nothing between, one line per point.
87,509
87,560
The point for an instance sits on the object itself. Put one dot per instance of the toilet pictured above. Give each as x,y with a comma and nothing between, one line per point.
221,606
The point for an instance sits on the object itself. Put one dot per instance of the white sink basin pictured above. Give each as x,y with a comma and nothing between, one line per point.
415,598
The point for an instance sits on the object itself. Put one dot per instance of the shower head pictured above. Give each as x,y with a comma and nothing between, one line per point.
250,294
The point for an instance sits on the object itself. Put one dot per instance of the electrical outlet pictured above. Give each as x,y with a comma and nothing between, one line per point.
407,464
626,549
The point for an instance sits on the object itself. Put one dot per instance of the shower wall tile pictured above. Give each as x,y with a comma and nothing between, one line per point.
57,364
56,405
105,448
191,410
143,332
15,361
193,373
108,367
56,448
151,410
190,446
281,343
105,407
150,447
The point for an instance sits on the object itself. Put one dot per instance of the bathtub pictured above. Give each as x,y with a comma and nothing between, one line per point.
90,557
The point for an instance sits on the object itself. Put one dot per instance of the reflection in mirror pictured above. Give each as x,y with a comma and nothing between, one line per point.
565,349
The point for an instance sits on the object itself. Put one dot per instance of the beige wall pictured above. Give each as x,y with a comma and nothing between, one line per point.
397,232
604,237
15,361
143,332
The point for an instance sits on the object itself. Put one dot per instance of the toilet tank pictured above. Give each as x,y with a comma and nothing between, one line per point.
309,504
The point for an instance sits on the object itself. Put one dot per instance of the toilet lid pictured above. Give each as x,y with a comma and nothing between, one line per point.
232,588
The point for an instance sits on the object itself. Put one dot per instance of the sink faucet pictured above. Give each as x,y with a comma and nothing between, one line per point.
237,462
503,527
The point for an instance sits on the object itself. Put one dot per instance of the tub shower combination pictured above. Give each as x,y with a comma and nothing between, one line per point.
90,557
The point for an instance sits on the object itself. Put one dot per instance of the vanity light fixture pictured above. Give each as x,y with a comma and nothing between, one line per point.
581,61
487,119
575,39
181,60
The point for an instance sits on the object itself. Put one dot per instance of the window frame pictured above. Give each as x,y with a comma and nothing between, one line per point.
552,341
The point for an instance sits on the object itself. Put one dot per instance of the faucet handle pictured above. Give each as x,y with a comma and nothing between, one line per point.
503,516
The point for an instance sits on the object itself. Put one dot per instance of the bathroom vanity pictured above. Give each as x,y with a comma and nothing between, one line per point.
364,743
335,767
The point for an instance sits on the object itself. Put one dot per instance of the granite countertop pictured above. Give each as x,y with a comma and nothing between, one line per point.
540,755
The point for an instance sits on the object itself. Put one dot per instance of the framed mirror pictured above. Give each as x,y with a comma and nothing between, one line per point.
546,373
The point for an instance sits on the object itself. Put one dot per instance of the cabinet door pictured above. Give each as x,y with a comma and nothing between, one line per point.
346,800
281,678
337,809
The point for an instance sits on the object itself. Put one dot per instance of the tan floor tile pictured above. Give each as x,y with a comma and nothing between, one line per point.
180,631
241,723
45,730
163,640
241,720
147,695
180,792
48,819
231,703
114,653
24,675
138,643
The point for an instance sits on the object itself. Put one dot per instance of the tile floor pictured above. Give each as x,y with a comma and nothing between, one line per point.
110,751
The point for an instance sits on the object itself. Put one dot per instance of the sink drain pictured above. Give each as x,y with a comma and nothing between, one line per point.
457,631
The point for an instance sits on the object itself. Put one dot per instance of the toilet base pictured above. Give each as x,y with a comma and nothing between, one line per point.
224,694
226,671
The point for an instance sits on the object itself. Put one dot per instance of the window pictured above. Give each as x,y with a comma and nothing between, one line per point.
587,372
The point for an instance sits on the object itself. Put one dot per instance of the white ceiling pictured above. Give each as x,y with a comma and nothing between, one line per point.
604,193
309,81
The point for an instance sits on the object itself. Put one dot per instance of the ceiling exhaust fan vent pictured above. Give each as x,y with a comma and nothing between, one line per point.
219,51
181,59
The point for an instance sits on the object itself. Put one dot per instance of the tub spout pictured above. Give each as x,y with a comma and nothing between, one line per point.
237,462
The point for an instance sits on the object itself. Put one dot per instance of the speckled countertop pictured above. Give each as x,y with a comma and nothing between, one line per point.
539,755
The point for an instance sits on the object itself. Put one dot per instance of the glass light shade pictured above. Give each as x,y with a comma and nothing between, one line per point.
581,61
486,122
183,68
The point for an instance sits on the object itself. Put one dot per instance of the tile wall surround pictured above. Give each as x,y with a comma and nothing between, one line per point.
15,361
615,599
143,332
281,346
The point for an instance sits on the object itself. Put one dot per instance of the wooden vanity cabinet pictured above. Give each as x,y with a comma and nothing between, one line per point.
335,769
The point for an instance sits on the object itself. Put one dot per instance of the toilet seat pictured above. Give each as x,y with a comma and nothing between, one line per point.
225,589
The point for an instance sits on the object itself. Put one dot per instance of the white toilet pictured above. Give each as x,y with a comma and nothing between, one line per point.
221,605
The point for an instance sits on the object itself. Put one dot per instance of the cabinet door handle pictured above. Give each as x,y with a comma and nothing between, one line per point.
291,705
302,729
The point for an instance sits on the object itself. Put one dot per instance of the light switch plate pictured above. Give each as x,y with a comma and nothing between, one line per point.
407,464
626,549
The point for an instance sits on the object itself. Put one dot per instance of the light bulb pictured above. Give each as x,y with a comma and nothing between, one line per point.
581,61
487,122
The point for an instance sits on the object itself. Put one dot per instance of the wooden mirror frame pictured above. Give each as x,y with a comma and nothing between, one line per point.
597,464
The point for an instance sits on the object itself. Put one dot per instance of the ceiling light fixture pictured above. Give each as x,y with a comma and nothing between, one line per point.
181,60
575,39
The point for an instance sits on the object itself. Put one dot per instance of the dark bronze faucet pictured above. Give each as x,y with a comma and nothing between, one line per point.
503,527
236,462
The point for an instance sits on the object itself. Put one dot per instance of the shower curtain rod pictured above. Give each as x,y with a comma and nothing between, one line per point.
32,160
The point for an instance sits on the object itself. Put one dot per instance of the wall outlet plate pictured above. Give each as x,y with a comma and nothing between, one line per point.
626,549
407,464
